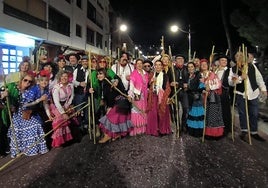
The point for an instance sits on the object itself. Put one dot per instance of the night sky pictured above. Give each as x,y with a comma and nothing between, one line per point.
149,20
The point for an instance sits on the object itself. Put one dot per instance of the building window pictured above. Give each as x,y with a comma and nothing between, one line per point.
79,3
91,12
78,30
99,41
59,22
90,36
22,15
69,1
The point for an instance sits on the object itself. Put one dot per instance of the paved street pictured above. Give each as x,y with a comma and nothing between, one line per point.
145,161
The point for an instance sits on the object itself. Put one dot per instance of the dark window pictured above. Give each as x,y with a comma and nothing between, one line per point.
69,1
91,12
79,3
11,11
78,30
59,22
100,5
99,41
90,36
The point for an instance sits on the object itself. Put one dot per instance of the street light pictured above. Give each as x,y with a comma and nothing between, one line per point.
121,29
175,28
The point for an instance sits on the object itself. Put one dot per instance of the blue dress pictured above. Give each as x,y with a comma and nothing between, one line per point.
195,119
27,135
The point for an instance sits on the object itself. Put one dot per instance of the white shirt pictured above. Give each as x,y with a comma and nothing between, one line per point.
250,93
122,72
75,82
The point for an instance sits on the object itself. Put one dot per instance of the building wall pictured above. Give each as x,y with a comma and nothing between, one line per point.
39,9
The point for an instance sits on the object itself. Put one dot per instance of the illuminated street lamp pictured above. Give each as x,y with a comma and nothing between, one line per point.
175,28
121,29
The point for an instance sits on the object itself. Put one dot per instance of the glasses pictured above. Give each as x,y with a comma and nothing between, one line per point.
26,80
147,66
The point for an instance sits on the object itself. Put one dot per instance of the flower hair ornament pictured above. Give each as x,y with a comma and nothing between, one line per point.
44,73
32,73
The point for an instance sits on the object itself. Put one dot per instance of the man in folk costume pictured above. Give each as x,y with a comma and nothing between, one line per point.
80,76
181,75
255,87
123,69
223,73
73,59
147,66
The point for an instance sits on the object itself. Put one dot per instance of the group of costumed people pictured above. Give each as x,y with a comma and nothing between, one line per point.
48,108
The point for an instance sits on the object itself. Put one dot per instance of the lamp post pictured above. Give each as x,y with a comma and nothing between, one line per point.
122,28
175,28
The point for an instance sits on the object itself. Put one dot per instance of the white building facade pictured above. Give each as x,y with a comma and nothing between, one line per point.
28,27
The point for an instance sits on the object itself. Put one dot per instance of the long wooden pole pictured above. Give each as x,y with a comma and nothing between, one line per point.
245,71
211,56
206,95
176,120
234,91
9,111
68,110
123,94
162,45
38,141
91,110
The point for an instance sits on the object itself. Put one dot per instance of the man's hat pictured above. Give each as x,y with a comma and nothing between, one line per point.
67,57
180,55
148,61
221,55
84,57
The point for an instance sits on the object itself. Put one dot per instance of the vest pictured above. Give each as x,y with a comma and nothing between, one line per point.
251,77
80,77
224,79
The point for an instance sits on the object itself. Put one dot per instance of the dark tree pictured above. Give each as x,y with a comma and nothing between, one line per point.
252,23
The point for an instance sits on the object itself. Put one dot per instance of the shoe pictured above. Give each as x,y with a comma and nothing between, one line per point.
98,134
115,138
265,119
85,126
244,136
258,137
105,139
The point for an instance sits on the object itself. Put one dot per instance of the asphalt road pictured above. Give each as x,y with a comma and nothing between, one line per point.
144,161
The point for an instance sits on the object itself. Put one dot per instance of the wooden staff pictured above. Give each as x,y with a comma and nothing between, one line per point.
91,109
245,71
38,141
9,111
68,110
194,55
118,54
162,45
123,94
206,95
211,56
227,51
238,61
175,93
205,116
176,98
